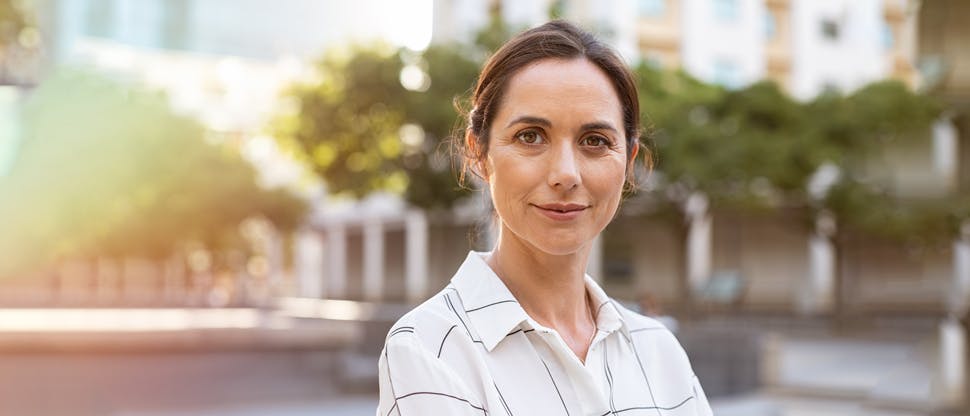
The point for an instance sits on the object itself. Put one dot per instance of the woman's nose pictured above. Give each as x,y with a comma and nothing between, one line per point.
563,167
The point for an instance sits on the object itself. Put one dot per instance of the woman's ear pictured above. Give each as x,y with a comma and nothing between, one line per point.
630,182
475,163
633,155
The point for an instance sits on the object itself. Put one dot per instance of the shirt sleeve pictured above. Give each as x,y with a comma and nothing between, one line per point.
415,382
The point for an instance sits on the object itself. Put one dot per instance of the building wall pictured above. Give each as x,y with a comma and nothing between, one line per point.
614,21
448,245
461,20
394,266
836,44
245,28
943,29
889,275
778,42
723,41
660,33
946,59
729,41
901,20
649,255
770,252
525,13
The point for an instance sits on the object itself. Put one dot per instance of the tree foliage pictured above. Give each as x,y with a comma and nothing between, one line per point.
741,148
106,170
350,123
20,42
753,148
756,148
13,22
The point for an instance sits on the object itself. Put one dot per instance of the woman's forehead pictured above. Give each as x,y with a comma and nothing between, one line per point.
557,89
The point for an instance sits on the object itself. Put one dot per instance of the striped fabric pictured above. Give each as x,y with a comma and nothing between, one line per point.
472,350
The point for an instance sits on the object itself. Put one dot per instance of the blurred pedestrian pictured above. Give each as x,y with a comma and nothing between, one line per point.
553,132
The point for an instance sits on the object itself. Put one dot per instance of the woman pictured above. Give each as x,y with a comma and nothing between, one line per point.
553,132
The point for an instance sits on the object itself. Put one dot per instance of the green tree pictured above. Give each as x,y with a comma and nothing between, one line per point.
497,31
363,131
870,124
751,149
743,148
755,148
19,43
106,170
13,22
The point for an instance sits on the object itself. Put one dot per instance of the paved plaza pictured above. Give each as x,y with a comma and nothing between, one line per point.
299,366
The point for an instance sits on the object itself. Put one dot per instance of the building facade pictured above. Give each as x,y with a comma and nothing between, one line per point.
805,46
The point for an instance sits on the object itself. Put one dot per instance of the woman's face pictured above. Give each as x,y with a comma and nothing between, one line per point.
556,160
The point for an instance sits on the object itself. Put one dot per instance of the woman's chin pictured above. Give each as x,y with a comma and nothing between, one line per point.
561,247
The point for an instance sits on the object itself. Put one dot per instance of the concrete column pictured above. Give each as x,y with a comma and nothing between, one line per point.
698,240
308,262
373,259
594,265
274,260
959,295
821,267
952,367
416,255
953,336
337,258
945,152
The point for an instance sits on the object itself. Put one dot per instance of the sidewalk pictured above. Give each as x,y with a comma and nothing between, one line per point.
344,406
292,323
770,404
846,376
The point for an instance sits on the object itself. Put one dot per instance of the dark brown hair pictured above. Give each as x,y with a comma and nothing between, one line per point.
554,40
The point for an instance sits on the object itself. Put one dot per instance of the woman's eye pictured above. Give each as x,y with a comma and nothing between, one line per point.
529,137
595,141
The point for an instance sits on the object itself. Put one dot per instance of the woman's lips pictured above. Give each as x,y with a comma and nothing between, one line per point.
561,212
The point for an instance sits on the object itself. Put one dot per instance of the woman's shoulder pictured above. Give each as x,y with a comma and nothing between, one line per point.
636,321
645,329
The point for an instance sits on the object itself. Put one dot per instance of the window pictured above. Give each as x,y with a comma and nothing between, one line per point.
652,8
770,25
830,29
887,36
726,10
727,74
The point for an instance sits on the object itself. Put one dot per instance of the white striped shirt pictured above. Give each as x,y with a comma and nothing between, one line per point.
472,350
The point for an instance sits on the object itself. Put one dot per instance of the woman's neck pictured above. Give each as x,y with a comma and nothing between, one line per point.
551,288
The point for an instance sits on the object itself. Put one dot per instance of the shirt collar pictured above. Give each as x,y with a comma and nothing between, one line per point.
493,312
491,309
608,316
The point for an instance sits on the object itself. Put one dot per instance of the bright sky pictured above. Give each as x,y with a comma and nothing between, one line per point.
403,23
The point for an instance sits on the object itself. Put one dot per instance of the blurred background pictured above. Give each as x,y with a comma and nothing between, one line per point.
219,207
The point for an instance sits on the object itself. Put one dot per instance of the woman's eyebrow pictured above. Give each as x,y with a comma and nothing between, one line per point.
530,120
598,125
